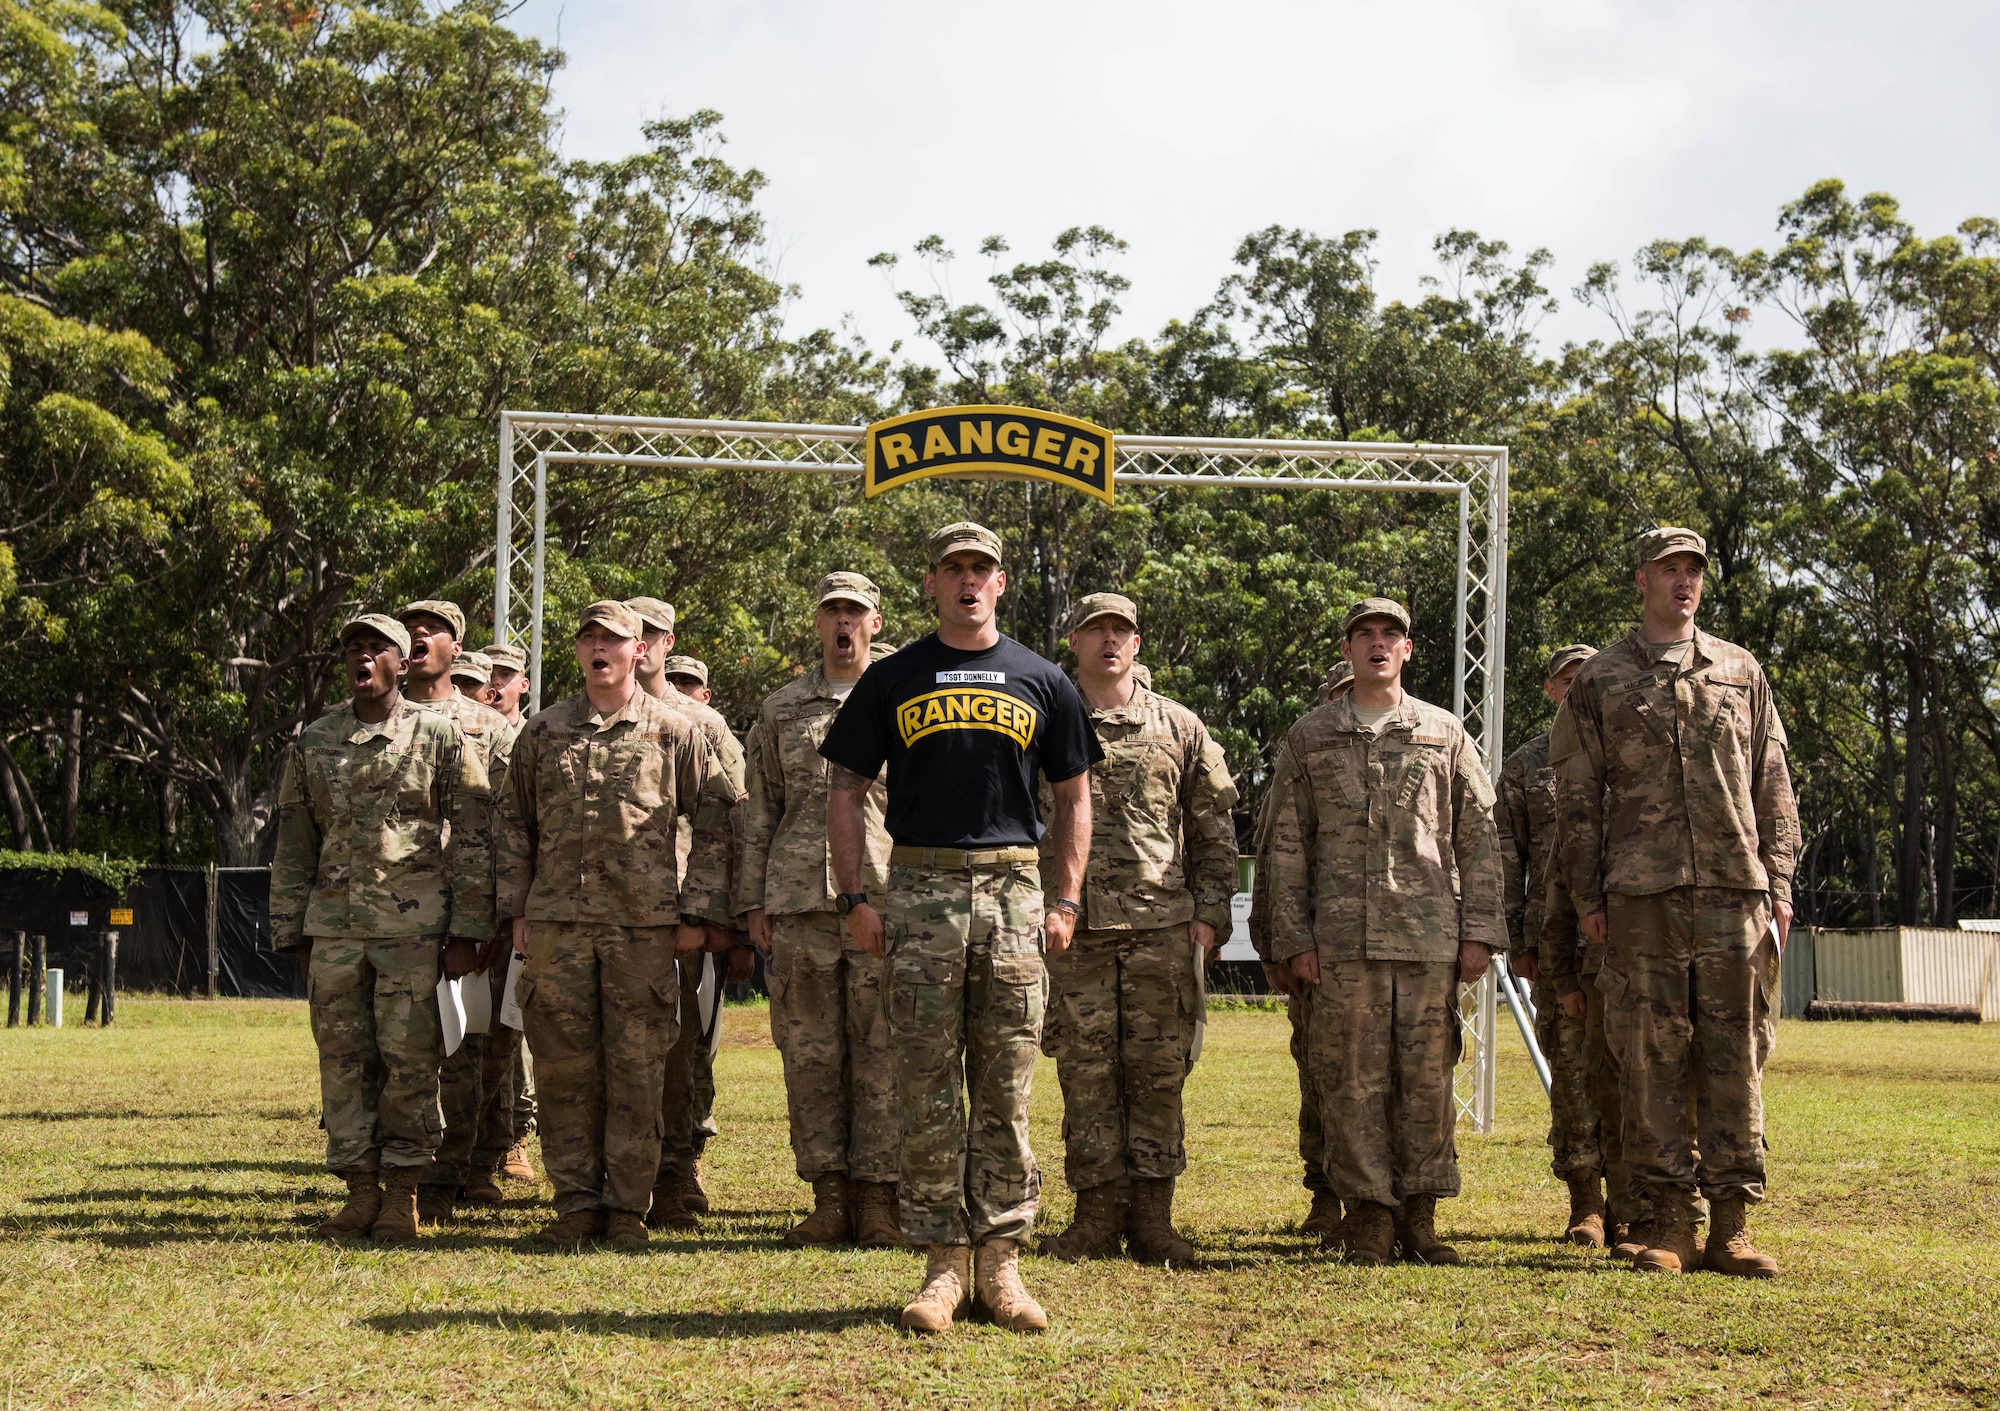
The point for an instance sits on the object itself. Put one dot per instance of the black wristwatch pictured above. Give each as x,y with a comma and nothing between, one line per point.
1065,904
847,901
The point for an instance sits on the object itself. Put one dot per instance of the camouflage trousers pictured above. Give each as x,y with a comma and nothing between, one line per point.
1573,1131
831,1027
1626,1202
475,1085
965,1020
375,1022
1690,980
1122,1010
600,1004
524,1091
687,1077
1312,1132
1382,1043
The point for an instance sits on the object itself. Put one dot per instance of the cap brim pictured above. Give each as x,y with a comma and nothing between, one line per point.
861,603
965,546
613,628
1100,616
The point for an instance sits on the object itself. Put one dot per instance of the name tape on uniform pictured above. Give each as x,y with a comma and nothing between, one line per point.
972,678
975,440
962,709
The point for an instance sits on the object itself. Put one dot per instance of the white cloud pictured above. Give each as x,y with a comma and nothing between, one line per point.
1588,128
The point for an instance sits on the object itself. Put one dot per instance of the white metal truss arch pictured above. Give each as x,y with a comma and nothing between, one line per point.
530,442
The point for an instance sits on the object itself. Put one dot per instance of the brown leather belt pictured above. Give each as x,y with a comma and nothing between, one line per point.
959,857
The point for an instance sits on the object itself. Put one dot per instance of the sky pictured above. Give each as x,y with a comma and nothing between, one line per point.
1585,128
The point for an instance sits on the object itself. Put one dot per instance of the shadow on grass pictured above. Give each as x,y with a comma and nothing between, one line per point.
753,1324
282,1168
191,1194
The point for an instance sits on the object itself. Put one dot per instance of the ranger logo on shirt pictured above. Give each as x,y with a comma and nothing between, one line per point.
964,709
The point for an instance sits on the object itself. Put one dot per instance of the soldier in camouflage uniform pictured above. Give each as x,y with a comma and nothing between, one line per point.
1323,1218
1526,817
967,722
687,1094
436,629
383,874
472,675
510,1106
1124,997
1383,892
827,1014
598,791
1679,836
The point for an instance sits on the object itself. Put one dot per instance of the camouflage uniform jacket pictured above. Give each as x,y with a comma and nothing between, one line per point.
1162,844
363,816
1673,776
488,735
1525,816
721,826
1377,847
592,811
785,865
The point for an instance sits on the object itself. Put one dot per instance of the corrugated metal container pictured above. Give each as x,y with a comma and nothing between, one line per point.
1909,965
1795,973
1858,965
1952,967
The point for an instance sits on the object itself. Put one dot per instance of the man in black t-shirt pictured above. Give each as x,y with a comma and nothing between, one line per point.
965,720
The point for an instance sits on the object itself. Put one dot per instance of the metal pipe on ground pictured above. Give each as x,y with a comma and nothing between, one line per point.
108,983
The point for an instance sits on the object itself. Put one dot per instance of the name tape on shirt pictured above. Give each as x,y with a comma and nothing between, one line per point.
972,678
962,709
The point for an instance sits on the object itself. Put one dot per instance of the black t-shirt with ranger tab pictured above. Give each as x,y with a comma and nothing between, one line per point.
964,734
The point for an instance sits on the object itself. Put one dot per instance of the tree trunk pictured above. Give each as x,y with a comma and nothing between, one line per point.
17,813
72,773
1944,841
170,818
20,794
1910,858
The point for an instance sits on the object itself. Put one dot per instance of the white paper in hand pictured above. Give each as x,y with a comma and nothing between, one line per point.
510,1001
451,1016
475,996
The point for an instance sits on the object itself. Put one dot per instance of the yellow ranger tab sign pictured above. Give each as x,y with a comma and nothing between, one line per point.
965,708
1016,441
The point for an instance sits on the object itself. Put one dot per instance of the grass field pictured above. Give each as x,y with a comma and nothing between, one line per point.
158,1183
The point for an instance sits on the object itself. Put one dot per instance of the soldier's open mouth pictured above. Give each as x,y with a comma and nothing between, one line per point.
842,641
362,676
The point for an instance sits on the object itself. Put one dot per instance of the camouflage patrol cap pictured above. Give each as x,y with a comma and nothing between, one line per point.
476,667
653,613
382,625
850,588
1566,656
963,535
1088,609
686,666
1375,607
612,616
878,650
1667,539
438,608
1143,674
507,656
1339,678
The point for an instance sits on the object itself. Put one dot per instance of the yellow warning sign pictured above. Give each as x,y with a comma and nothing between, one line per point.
121,916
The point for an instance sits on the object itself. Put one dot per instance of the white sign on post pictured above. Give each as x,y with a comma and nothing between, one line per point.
79,918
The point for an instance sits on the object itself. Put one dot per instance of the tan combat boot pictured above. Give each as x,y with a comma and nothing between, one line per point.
1637,1239
1324,1217
666,1212
997,1277
947,1291
875,1225
436,1203
1586,1211
1153,1239
694,1196
829,1222
624,1229
482,1189
398,1222
572,1229
1369,1235
1094,1230
514,1165
1417,1233
1673,1249
1729,1250
355,1219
